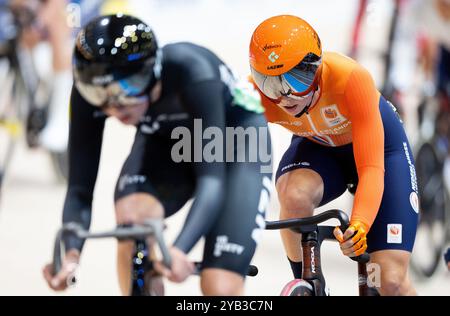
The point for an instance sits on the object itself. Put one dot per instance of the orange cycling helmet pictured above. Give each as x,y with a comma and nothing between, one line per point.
285,57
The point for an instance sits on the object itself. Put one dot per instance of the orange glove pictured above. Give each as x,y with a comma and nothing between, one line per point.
352,244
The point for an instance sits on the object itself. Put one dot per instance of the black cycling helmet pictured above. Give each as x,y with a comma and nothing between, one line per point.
116,58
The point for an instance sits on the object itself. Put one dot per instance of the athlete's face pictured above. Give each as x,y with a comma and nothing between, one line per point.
130,115
293,105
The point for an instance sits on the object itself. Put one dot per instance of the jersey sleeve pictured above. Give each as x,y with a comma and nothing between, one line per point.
85,141
205,101
362,98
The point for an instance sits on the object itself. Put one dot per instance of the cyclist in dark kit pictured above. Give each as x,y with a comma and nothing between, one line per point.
120,71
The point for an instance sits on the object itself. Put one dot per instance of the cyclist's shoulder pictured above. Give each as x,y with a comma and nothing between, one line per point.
176,50
339,64
190,61
342,73
184,52
336,72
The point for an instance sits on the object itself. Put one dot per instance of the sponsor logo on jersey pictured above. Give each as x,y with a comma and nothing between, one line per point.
296,164
414,200
222,245
394,233
332,116
412,169
126,180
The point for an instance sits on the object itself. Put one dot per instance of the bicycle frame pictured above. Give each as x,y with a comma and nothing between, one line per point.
312,238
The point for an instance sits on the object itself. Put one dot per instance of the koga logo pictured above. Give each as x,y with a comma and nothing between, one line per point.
267,46
101,80
275,67
313,264
273,57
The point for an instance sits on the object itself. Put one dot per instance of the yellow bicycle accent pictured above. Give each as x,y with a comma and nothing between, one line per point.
13,127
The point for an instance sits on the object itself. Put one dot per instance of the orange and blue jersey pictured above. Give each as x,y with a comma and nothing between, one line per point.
346,112
353,129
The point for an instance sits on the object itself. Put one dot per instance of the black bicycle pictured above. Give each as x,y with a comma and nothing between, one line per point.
434,218
313,281
144,278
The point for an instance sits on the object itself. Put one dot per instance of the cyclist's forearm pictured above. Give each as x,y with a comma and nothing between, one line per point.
368,195
209,198
77,208
210,190
85,142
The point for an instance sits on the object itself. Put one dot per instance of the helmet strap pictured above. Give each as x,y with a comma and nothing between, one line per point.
306,108
157,69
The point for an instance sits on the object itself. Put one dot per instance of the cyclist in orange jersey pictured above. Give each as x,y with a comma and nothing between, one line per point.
344,132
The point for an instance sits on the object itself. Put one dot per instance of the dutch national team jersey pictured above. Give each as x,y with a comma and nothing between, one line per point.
329,122
346,112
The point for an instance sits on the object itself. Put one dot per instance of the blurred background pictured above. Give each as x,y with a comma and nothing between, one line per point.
402,43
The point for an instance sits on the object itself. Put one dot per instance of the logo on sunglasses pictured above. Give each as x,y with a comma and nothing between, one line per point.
273,57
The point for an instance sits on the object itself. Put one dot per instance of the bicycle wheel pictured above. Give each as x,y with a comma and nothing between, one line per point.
297,287
431,232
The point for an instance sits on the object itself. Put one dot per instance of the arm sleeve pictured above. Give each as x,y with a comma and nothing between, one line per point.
85,140
205,100
368,144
